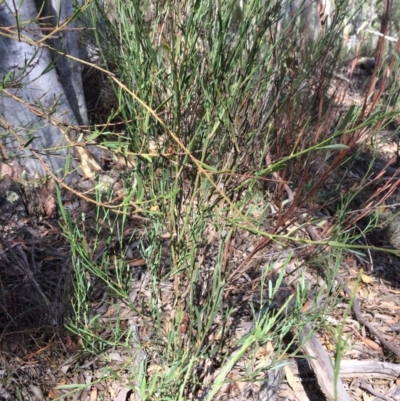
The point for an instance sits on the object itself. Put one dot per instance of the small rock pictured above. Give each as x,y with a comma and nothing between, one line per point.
392,232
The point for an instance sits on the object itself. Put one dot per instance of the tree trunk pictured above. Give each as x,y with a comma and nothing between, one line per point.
69,69
36,109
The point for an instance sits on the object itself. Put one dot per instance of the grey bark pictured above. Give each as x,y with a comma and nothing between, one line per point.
305,14
70,70
35,104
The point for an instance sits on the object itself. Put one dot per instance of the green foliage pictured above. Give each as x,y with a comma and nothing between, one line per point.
222,107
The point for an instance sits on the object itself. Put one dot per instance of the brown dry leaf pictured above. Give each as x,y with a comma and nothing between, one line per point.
389,337
372,344
351,285
362,292
388,305
93,394
110,312
262,352
154,369
237,383
356,391
5,169
37,392
367,397
48,201
348,329
123,394
119,189
153,147
330,347
138,262
128,161
366,279
290,378
117,357
184,323
52,393
125,313
112,393
307,305
386,318
167,323
69,343
241,385
88,163
264,356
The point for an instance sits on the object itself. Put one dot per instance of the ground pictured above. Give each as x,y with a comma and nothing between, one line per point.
41,359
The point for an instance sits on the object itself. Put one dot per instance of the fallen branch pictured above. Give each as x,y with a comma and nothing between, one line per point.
322,367
352,369
369,369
